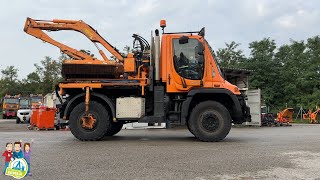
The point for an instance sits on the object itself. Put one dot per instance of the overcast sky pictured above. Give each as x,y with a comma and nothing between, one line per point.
242,21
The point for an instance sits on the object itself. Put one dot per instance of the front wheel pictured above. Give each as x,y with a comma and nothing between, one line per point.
188,126
18,120
210,121
92,126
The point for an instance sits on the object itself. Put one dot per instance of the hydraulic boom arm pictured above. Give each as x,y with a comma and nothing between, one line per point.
36,27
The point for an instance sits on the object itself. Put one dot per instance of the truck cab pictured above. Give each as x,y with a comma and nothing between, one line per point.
10,105
188,68
36,100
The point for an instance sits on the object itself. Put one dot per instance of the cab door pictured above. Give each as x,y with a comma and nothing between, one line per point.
186,69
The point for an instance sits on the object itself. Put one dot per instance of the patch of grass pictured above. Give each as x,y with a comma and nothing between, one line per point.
298,121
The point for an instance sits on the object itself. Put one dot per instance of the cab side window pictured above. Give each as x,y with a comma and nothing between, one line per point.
187,62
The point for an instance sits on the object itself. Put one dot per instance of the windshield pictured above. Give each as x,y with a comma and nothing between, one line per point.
24,102
11,101
36,99
213,56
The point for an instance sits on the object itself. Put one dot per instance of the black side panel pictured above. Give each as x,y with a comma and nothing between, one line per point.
193,92
159,101
245,108
158,104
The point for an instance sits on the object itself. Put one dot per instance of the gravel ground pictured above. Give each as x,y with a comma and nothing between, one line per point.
246,153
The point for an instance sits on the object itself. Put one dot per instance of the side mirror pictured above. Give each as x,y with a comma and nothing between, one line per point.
202,32
183,40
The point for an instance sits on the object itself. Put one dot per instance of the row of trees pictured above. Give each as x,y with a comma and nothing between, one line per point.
287,75
41,81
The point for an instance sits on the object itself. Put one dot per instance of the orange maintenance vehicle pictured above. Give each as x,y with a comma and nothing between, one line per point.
10,106
175,81
285,116
312,117
36,100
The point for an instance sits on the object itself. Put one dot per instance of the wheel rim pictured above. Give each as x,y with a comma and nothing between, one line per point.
209,121
88,122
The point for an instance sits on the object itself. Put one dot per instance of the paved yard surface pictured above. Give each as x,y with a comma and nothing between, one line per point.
246,153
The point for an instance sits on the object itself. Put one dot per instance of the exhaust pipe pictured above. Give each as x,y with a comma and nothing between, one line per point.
152,52
157,55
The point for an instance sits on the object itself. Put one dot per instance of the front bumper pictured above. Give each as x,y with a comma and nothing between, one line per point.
10,112
24,115
241,112
244,108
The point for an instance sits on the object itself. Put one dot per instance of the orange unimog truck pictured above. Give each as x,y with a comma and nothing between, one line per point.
10,106
175,80
36,100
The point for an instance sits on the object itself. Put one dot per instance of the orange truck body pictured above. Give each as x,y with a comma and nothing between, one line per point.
172,79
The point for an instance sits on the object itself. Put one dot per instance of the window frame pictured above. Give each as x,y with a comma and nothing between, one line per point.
174,62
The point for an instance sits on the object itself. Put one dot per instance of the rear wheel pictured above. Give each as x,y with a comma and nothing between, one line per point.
114,129
18,120
210,121
92,126
4,116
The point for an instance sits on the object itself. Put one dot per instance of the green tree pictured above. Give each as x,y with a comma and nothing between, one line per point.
10,74
88,52
49,72
230,56
9,81
32,83
312,72
127,49
293,67
266,69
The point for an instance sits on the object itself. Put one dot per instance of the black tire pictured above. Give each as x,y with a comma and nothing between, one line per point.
18,120
188,126
210,121
114,129
4,116
102,122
